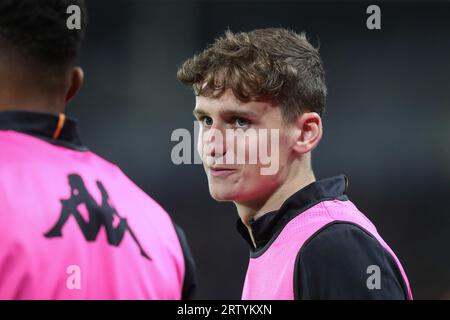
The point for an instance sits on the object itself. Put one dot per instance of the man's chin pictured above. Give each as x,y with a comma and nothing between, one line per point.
223,195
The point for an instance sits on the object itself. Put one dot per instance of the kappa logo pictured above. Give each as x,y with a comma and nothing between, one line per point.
99,215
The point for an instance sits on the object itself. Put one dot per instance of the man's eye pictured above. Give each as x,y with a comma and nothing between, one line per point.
241,122
207,121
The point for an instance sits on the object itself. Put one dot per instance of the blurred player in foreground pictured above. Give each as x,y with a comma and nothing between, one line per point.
72,225
307,239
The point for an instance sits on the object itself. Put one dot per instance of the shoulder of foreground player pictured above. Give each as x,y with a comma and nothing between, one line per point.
190,271
343,261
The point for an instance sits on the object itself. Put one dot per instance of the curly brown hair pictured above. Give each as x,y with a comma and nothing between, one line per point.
272,64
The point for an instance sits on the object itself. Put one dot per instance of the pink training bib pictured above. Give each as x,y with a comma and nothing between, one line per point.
271,275
73,226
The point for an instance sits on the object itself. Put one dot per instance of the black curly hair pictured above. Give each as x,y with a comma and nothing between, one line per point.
37,31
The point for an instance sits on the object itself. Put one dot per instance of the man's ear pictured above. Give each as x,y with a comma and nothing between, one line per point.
76,79
308,132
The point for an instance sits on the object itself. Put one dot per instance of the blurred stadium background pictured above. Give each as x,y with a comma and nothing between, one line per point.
387,125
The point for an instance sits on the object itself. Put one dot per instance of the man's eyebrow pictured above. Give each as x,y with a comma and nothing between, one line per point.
240,113
231,112
199,112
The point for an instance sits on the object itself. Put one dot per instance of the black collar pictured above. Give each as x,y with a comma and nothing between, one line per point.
43,126
266,229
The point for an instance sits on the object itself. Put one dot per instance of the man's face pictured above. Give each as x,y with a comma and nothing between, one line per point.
250,166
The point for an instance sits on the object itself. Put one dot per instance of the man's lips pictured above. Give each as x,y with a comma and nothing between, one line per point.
221,171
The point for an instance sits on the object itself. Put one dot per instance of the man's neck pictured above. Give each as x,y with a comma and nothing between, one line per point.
33,105
22,90
247,213
28,98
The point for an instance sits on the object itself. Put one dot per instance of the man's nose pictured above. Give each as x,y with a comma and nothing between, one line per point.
215,143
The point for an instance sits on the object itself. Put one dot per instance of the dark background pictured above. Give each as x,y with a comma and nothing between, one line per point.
386,126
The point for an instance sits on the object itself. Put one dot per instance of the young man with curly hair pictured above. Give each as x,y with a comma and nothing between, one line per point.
307,239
